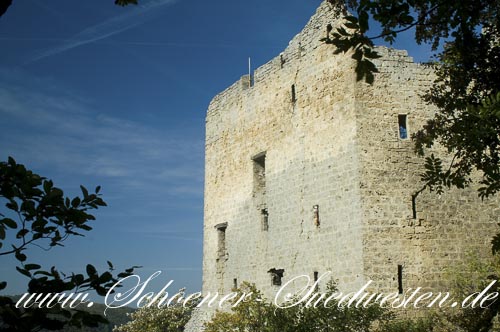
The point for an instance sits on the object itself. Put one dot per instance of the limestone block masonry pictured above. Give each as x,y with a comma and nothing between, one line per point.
306,171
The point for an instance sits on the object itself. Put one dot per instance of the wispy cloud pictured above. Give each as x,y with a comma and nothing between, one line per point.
133,17
64,133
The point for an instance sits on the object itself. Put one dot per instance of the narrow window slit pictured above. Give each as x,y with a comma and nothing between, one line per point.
414,206
265,220
316,215
294,97
400,279
403,126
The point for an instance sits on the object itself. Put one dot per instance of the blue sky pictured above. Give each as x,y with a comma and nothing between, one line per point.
96,94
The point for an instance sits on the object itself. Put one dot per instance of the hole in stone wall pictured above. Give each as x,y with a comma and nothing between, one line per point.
400,279
265,220
276,276
221,239
259,176
235,283
403,126
414,206
294,97
316,215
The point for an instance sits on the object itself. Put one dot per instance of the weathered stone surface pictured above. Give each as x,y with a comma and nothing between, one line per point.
337,147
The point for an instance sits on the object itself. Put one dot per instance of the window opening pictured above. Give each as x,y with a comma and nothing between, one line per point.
265,220
276,276
403,127
400,279
259,172
315,276
414,206
316,215
221,239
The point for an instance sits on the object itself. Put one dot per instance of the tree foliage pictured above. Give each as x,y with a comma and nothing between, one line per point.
37,214
157,318
466,40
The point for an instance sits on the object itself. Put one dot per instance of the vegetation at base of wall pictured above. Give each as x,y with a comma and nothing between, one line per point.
253,315
159,318
409,325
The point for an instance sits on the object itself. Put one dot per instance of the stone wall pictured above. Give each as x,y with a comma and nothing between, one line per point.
311,159
305,172
445,228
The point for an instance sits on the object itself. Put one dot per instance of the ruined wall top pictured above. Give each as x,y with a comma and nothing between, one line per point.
304,42
309,38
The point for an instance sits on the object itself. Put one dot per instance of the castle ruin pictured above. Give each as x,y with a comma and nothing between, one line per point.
309,170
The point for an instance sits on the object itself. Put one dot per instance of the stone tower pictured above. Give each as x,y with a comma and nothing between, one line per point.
308,170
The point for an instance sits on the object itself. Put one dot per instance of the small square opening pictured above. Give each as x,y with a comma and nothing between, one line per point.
276,276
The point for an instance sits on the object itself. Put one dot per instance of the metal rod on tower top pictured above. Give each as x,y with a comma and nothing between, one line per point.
249,72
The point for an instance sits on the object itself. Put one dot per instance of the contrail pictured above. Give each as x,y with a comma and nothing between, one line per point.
105,29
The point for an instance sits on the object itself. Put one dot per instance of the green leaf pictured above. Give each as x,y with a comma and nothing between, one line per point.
78,279
351,26
22,233
32,267
105,277
351,19
20,256
47,185
363,21
23,271
110,265
85,227
84,192
12,205
75,202
9,222
91,270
